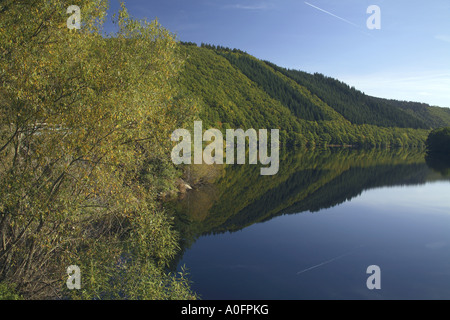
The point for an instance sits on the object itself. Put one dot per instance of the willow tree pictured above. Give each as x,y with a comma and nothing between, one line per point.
85,123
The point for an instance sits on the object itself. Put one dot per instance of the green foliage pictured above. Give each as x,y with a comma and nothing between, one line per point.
434,117
137,271
85,125
358,107
236,90
85,121
438,141
299,104
8,293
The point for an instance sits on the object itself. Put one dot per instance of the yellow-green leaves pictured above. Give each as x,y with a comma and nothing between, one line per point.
82,116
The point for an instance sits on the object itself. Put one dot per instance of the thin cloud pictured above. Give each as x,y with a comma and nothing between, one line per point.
262,6
442,37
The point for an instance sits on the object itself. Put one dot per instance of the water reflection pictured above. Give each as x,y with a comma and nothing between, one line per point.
234,197
370,207
439,163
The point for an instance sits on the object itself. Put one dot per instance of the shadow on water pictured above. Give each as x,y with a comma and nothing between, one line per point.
439,163
239,196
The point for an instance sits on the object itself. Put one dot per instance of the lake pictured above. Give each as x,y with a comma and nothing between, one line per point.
312,230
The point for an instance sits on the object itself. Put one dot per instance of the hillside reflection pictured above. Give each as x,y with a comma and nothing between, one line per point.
235,197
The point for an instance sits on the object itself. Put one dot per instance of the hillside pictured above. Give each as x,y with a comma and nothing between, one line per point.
237,90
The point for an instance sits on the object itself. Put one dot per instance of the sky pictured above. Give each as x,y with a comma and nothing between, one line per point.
407,58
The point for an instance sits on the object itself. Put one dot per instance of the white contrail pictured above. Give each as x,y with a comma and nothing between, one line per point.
327,262
331,14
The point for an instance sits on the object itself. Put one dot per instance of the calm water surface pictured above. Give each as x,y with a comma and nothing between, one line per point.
311,232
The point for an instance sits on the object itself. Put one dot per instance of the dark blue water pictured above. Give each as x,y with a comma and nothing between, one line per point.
405,230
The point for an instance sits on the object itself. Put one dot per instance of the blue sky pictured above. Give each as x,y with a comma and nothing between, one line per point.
407,59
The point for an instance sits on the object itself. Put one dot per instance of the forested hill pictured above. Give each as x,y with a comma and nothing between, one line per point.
237,90
360,108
